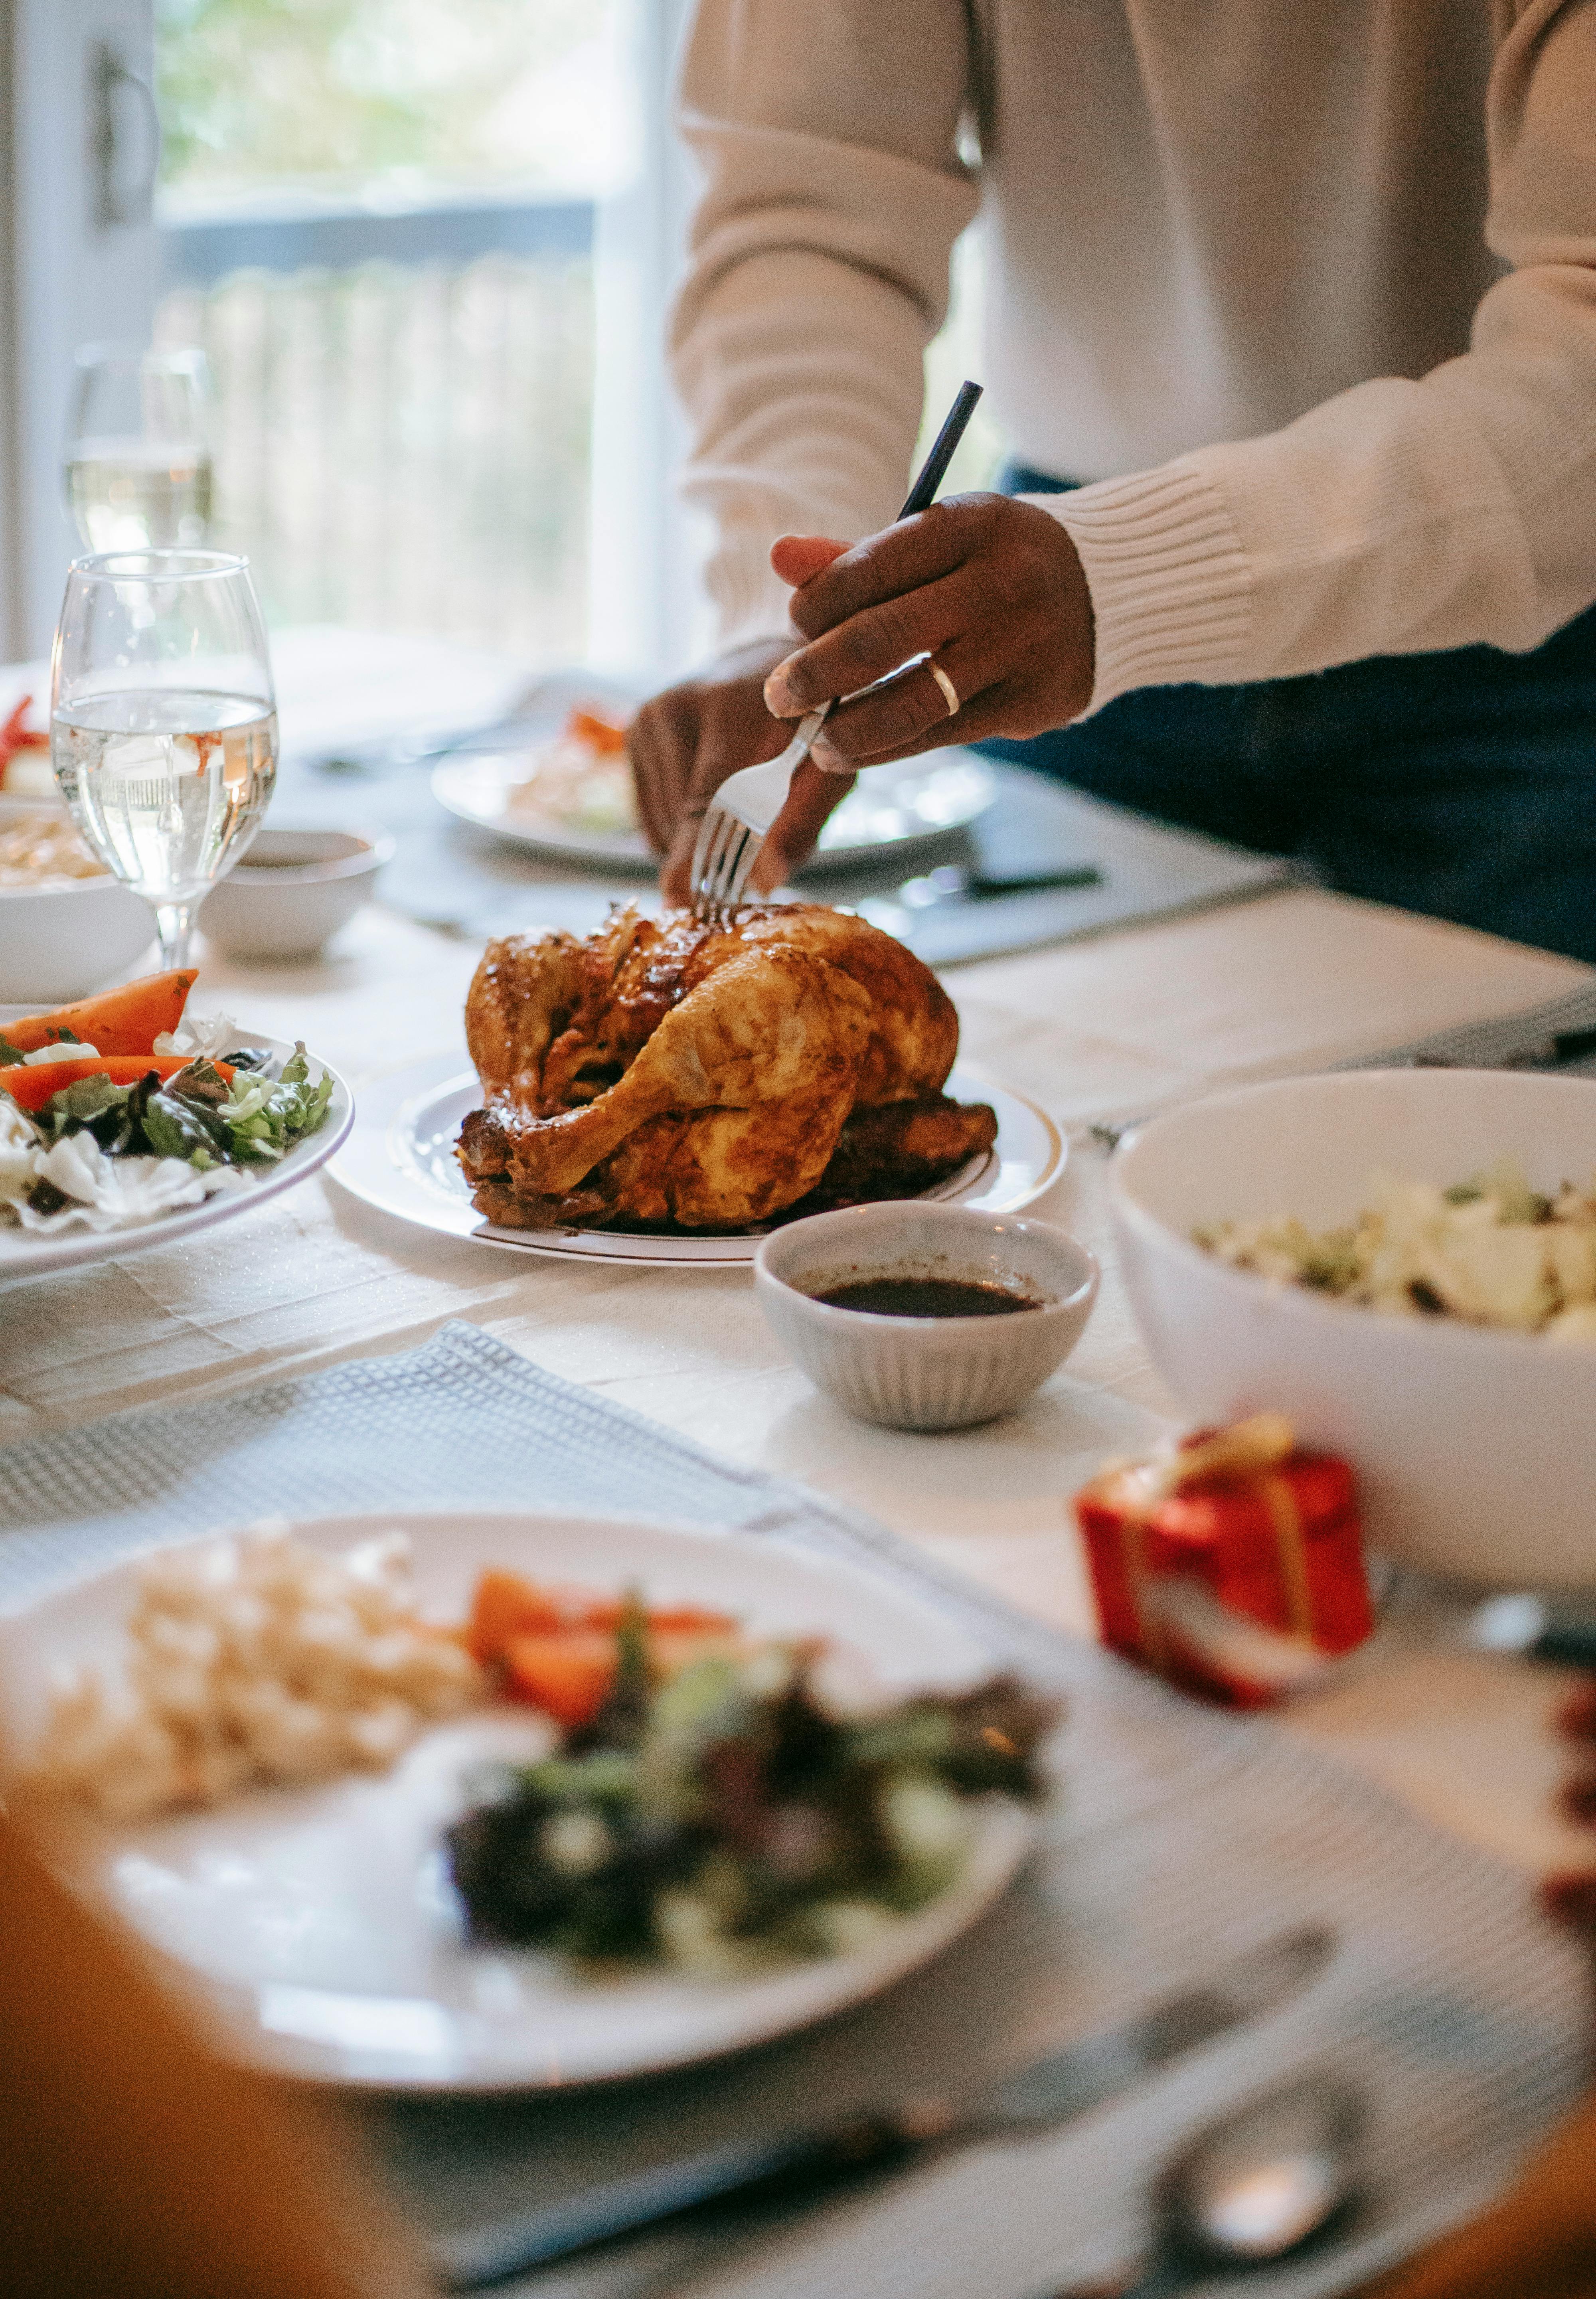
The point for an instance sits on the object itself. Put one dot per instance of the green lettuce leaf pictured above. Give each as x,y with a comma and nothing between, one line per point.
264,1120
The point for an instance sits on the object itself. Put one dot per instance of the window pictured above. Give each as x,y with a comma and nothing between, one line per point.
428,245
380,218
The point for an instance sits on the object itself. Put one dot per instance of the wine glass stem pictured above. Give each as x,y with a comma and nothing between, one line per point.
174,923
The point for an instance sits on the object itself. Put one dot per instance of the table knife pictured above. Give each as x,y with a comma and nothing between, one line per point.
949,883
790,2167
1535,1041
1562,1631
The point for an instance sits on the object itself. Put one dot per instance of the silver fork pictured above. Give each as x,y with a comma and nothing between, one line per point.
747,803
735,828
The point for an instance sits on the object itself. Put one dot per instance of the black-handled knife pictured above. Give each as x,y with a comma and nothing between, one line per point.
949,883
1562,1631
788,2167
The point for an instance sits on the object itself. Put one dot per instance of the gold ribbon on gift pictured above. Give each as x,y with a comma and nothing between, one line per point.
1286,1517
1256,1448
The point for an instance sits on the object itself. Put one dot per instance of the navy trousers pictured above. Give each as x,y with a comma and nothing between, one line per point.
1461,784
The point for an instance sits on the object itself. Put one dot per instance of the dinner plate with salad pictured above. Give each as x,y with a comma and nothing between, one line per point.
474,1802
127,1123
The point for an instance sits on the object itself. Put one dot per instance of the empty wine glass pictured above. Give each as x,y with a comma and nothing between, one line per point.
164,722
138,462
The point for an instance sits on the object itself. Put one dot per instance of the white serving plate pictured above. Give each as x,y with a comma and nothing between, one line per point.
401,1159
24,1253
320,1920
893,807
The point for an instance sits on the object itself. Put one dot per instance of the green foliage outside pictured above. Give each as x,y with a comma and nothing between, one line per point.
340,92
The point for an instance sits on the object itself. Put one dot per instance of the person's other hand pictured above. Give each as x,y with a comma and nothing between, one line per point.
686,741
990,588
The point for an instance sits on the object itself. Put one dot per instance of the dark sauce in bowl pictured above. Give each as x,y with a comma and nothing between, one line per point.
927,1297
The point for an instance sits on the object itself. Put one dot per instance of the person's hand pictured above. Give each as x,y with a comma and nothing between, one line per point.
990,588
686,741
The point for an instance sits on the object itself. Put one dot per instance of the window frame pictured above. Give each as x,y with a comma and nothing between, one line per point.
70,277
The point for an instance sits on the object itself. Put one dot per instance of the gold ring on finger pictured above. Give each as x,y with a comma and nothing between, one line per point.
949,692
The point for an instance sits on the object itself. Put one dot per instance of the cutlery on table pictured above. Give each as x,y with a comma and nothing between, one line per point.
1546,1049
949,883
800,2166
746,804
1559,1629
1251,2189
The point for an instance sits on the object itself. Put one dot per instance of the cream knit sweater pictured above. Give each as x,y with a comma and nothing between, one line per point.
1240,276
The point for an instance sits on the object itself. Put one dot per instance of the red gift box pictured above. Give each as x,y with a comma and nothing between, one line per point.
1233,1566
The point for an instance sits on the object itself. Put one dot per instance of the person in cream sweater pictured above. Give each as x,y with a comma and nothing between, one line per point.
1291,325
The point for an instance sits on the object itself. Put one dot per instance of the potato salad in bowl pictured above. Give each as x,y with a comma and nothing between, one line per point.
1432,1326
1489,1251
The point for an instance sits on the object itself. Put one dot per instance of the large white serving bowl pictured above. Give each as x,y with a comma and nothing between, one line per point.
64,939
1474,1449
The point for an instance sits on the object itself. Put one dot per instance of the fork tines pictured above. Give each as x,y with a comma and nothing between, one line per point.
722,862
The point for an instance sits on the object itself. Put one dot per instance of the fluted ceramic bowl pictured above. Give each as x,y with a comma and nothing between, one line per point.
292,893
926,1372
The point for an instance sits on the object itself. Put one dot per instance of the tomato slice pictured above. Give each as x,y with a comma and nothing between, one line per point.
124,1021
506,1605
30,1084
568,1675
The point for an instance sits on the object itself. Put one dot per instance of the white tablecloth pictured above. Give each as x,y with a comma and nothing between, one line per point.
1112,1025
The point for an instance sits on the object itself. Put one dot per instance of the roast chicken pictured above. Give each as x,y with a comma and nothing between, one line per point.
709,1077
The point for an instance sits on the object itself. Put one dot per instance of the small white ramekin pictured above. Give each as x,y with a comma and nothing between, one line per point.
926,1372
292,892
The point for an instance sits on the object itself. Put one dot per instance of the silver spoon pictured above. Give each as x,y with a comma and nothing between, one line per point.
1246,2192
1249,2190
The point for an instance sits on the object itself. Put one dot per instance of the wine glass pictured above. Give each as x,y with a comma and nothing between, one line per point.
137,464
164,722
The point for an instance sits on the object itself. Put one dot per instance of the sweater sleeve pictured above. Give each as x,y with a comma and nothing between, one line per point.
1399,517
833,193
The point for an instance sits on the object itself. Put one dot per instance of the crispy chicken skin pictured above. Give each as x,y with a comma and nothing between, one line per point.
679,1073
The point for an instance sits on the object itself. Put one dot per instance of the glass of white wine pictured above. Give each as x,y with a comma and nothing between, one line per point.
164,722
138,459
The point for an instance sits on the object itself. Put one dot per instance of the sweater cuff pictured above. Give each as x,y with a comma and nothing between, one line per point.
749,599
1171,595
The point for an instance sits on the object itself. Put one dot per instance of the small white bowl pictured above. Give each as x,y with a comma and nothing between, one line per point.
1474,1448
62,941
926,1372
292,892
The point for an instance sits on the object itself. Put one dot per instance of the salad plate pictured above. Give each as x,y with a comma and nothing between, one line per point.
555,793
25,1254
319,1921
400,1158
